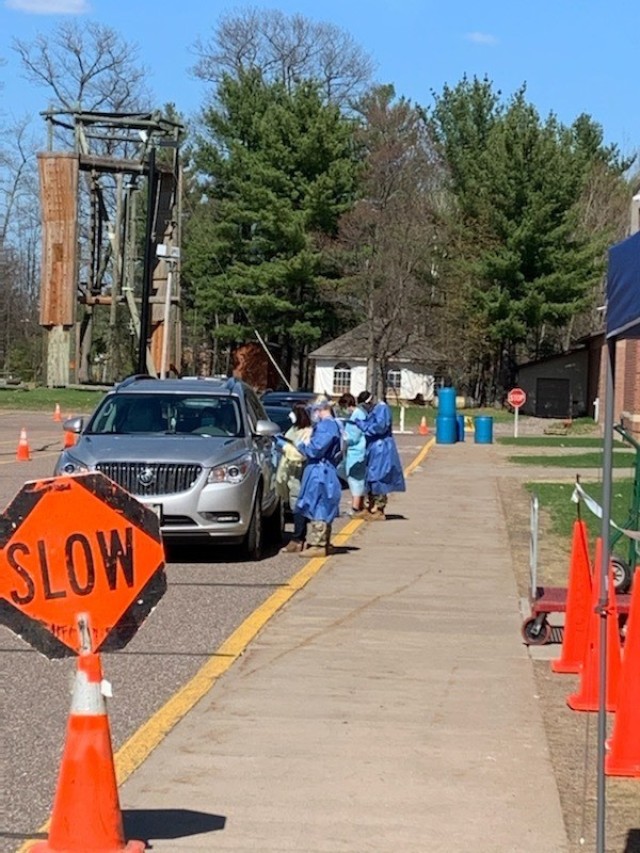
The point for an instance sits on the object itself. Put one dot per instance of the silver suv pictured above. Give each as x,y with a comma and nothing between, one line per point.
198,451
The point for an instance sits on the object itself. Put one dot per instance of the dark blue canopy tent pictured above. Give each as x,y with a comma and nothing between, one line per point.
623,289
622,321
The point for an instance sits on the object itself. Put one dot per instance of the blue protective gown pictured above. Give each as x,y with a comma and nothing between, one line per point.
320,491
356,442
384,469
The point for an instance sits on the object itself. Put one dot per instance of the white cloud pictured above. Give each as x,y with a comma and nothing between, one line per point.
49,7
481,38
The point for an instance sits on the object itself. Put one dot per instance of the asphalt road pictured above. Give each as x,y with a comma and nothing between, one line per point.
209,594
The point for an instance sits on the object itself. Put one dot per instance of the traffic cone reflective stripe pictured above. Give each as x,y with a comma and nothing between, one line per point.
86,816
624,747
587,697
57,415
579,597
23,454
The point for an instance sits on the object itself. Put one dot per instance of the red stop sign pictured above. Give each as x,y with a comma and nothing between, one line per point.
78,547
516,398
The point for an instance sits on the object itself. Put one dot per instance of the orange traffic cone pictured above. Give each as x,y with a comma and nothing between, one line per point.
57,415
587,697
69,439
579,596
23,454
86,810
624,747
423,429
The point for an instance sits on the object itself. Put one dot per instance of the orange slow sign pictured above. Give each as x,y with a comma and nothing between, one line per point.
78,546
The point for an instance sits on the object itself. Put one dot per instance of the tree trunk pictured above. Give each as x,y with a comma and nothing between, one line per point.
371,341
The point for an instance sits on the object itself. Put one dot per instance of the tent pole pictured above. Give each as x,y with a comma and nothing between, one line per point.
603,600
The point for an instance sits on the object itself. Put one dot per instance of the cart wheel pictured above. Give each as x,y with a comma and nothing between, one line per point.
536,631
622,575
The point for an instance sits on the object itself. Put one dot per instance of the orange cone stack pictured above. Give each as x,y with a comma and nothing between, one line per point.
579,597
423,429
624,747
587,697
69,439
86,811
23,454
57,415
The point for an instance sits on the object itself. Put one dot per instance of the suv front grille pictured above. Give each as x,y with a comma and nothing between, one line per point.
147,479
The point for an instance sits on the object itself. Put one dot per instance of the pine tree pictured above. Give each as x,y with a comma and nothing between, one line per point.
277,168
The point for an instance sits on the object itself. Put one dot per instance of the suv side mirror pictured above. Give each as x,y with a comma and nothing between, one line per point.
267,428
73,425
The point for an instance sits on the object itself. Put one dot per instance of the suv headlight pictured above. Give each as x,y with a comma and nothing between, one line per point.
73,466
231,472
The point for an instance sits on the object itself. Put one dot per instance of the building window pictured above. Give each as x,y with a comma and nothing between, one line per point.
341,378
394,380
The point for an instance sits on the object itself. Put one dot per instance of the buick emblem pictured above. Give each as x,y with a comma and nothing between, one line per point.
147,476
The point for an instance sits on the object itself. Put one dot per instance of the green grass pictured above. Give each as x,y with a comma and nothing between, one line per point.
71,400
578,425
551,441
555,499
414,414
621,459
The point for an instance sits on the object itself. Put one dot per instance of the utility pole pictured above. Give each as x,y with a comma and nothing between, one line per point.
149,257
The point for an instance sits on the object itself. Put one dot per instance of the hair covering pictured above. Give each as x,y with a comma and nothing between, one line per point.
365,397
320,403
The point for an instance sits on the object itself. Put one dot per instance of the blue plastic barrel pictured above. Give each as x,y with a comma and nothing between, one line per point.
459,427
447,402
483,429
446,429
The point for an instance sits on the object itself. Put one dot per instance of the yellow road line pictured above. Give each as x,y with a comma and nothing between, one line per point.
411,467
141,744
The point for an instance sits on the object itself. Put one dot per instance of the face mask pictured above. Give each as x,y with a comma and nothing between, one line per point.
315,417
292,417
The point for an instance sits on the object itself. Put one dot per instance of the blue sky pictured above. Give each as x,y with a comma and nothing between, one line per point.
574,55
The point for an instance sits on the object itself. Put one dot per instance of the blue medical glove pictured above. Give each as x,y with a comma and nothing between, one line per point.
279,441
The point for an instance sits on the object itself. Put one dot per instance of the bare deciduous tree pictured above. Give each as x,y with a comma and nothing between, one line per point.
88,67
288,48
19,251
17,159
388,239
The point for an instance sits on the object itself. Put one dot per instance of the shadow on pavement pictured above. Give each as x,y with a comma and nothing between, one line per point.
147,824
633,841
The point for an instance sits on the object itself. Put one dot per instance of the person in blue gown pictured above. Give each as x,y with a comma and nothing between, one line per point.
355,451
383,467
320,490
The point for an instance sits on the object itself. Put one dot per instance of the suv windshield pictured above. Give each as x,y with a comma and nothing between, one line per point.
183,414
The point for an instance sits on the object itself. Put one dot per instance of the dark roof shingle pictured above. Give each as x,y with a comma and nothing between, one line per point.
353,346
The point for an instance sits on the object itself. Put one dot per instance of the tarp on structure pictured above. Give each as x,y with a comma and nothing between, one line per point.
623,289
58,204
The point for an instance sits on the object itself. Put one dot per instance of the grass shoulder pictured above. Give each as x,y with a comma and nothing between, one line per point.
620,459
552,441
556,500
72,401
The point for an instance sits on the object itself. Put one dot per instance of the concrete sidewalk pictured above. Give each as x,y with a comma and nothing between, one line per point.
390,706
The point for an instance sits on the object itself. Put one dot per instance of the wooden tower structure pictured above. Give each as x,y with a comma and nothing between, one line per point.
103,274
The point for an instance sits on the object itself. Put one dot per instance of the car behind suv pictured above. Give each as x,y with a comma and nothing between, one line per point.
287,398
198,451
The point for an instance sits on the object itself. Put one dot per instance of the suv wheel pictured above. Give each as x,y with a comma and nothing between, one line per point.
253,537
